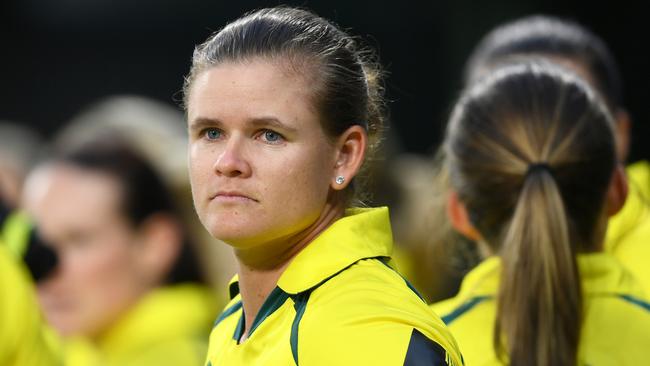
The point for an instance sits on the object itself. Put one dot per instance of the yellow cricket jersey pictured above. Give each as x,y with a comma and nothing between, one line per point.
338,303
24,341
170,326
628,233
15,231
616,325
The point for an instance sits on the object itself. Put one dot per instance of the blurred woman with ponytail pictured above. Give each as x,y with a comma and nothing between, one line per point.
532,165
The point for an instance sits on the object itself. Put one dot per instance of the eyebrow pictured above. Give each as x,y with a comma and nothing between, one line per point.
200,123
203,122
271,122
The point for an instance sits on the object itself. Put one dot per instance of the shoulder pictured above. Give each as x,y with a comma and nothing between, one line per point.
616,330
367,288
622,309
369,315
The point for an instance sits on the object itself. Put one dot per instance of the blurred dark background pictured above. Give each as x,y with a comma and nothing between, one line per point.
59,56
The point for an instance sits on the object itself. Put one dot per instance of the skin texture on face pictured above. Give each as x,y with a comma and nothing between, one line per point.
99,274
260,163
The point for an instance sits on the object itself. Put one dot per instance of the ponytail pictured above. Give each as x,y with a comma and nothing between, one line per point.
531,153
540,300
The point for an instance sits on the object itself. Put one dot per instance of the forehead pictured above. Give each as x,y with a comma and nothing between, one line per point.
258,86
64,194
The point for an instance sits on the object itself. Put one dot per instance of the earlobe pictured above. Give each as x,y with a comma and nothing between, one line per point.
459,217
617,191
351,150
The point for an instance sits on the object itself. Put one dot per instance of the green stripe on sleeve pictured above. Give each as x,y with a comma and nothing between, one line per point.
465,307
635,301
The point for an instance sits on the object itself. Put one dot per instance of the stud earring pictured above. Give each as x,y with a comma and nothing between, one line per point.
340,179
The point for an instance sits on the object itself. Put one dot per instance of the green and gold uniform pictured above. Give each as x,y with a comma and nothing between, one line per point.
339,302
616,321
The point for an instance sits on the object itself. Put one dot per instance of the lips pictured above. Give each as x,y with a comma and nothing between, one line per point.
232,196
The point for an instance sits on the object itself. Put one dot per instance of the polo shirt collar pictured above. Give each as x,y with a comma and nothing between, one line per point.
362,233
483,280
600,274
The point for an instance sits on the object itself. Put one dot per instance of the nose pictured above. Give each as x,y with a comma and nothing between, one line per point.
232,161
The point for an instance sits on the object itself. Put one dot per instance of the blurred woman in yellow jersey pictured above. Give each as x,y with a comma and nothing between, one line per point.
572,45
530,153
127,289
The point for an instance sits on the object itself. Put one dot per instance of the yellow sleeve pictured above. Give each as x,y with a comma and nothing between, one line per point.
24,339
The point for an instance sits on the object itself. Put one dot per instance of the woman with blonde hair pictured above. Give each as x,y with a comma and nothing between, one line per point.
572,45
531,157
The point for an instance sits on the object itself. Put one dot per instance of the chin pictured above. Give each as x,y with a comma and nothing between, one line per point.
67,328
239,237
229,227
235,239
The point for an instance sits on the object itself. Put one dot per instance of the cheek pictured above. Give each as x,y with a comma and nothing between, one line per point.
195,164
199,166
113,283
304,178
201,160
102,269
87,283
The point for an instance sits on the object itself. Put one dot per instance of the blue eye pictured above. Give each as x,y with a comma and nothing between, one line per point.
212,134
272,136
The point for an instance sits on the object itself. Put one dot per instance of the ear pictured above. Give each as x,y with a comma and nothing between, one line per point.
459,217
623,126
160,240
617,191
350,152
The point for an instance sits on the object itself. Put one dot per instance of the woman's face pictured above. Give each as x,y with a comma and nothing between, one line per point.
99,275
260,162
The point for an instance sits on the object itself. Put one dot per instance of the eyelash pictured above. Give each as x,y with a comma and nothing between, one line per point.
260,135
280,138
206,131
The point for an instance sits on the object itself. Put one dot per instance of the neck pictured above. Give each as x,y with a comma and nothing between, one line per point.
259,273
